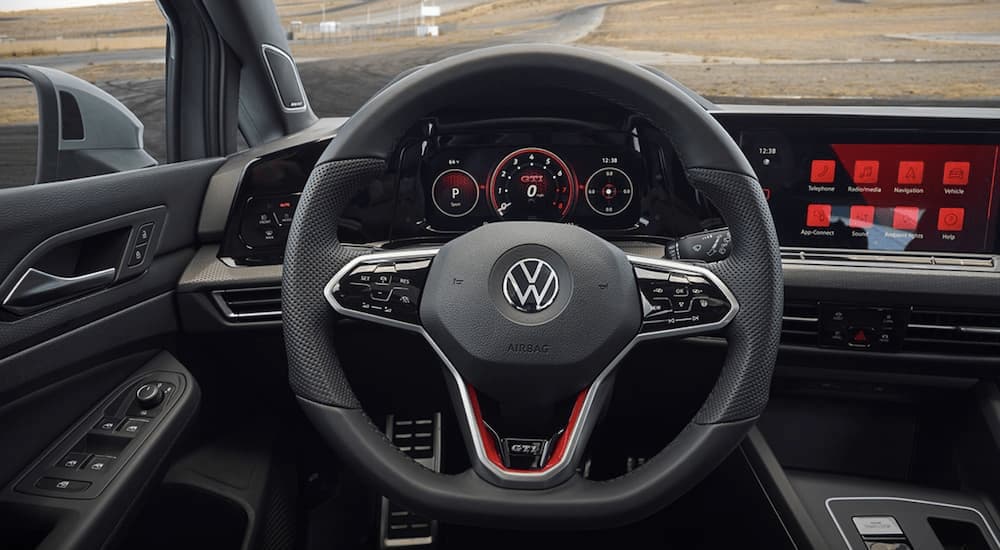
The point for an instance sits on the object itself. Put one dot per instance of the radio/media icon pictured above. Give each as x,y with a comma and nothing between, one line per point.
866,171
822,171
956,173
951,219
818,215
911,172
905,218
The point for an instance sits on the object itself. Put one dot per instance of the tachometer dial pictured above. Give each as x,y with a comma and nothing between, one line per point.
532,184
609,191
455,192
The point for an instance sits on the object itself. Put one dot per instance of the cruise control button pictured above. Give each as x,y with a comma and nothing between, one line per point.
404,297
681,305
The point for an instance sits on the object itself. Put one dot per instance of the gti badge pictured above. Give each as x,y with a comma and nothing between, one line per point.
531,285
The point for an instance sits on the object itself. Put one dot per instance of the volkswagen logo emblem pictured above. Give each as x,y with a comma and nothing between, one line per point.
531,285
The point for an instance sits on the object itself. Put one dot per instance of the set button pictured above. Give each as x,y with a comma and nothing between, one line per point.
389,289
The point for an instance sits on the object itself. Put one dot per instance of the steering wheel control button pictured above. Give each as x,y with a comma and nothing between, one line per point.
386,289
524,454
679,298
62,485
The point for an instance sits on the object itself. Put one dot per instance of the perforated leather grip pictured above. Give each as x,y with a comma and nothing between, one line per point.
753,274
313,256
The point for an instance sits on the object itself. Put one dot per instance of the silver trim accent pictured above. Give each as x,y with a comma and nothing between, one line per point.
795,319
531,478
991,331
901,499
264,48
899,260
228,313
96,275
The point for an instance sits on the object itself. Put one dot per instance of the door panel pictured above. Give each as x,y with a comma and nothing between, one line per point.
31,215
71,351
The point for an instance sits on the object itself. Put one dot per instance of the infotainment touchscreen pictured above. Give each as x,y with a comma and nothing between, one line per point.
826,192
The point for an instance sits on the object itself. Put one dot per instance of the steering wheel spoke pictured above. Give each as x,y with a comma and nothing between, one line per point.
382,288
681,299
530,319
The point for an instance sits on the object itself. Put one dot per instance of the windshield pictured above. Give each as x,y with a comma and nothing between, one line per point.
819,51
909,52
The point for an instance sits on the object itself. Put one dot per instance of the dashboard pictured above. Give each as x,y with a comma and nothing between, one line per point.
887,217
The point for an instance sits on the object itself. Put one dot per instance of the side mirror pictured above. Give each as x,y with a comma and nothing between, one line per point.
82,130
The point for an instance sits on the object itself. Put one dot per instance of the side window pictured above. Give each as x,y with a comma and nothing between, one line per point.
18,132
82,50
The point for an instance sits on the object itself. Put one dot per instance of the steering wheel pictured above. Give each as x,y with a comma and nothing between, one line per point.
531,318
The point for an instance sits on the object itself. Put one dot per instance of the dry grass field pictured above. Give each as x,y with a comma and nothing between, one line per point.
908,51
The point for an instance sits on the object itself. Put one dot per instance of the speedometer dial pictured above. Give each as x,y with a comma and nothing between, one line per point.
532,184
609,191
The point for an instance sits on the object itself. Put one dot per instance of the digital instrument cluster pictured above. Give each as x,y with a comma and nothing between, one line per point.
596,186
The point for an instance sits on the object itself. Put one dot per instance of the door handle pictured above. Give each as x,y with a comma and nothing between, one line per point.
37,288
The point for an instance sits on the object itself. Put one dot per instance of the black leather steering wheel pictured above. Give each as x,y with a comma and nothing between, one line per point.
505,306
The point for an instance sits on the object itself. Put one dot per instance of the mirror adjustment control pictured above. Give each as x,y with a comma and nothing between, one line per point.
149,395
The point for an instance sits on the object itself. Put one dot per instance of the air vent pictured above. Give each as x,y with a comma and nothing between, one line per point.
954,332
800,324
249,304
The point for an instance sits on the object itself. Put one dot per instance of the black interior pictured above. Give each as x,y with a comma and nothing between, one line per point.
882,425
